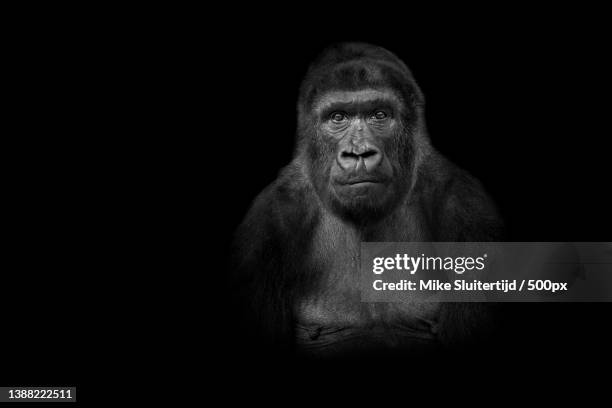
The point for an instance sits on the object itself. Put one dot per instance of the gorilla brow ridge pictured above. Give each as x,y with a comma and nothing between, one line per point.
389,101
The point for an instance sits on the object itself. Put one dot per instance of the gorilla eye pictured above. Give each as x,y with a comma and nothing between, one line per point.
380,115
337,117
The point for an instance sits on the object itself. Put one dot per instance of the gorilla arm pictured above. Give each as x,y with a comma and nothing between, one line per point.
268,257
466,214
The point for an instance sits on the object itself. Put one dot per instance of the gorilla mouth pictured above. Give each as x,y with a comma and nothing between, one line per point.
360,181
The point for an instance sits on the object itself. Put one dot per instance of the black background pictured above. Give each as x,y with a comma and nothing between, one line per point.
140,133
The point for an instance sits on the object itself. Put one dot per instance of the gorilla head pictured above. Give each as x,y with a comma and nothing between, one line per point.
360,130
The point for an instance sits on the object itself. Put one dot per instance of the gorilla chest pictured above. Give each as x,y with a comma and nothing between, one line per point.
332,316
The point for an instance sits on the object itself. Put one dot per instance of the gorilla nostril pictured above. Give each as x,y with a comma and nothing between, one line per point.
369,153
371,158
349,156
347,159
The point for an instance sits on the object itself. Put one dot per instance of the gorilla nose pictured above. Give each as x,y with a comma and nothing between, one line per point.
354,158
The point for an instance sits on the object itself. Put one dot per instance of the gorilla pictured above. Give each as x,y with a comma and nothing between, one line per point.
363,170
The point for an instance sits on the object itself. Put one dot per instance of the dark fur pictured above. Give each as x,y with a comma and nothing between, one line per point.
275,258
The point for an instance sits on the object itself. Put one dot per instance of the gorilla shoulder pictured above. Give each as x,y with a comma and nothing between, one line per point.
460,207
287,204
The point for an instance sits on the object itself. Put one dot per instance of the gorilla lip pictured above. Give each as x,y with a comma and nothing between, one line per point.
360,179
362,182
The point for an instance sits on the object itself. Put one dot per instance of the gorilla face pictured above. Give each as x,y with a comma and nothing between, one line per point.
360,124
360,130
